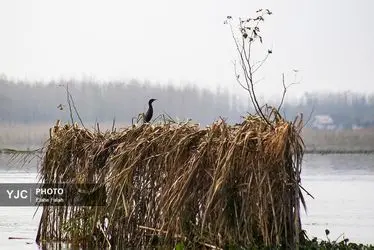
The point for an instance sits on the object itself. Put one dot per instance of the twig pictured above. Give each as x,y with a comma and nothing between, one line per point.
285,91
306,191
247,67
76,111
105,235
113,124
69,104
309,117
167,118
342,234
261,63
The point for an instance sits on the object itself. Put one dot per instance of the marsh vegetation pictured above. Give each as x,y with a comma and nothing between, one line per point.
174,182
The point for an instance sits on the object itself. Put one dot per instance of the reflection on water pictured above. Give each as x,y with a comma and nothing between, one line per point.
343,187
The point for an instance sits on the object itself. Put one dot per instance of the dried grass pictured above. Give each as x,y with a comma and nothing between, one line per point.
209,187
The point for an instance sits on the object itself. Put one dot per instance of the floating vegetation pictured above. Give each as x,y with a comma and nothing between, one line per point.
340,243
178,184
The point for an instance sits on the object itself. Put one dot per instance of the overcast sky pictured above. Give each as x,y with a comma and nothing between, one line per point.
331,43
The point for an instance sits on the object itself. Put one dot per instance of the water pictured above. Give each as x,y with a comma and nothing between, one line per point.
18,221
343,187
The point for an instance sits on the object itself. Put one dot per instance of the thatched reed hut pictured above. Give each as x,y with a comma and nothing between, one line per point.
210,187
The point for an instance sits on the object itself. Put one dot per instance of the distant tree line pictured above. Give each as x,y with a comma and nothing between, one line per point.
38,102
25,102
345,108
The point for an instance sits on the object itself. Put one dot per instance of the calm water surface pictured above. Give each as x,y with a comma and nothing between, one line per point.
343,187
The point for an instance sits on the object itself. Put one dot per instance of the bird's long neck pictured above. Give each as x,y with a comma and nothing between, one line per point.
150,108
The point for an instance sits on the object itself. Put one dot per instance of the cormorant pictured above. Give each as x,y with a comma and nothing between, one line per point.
149,114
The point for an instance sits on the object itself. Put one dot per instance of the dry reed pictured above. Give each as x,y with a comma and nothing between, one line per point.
208,187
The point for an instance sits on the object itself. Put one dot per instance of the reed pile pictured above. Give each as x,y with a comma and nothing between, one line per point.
214,187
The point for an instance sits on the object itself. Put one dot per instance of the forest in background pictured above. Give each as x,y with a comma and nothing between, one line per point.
24,102
29,109
30,102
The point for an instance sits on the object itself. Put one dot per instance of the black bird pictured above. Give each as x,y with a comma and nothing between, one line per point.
149,114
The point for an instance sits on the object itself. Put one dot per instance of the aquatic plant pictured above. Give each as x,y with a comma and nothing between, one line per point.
220,185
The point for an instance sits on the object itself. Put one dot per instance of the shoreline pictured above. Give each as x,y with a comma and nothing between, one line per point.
307,151
338,151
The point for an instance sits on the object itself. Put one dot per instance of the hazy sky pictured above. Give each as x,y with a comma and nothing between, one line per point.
330,42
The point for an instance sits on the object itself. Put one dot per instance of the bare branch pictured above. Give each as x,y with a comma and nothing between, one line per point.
309,117
247,66
261,63
68,101
259,80
71,103
248,78
237,76
285,91
76,111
